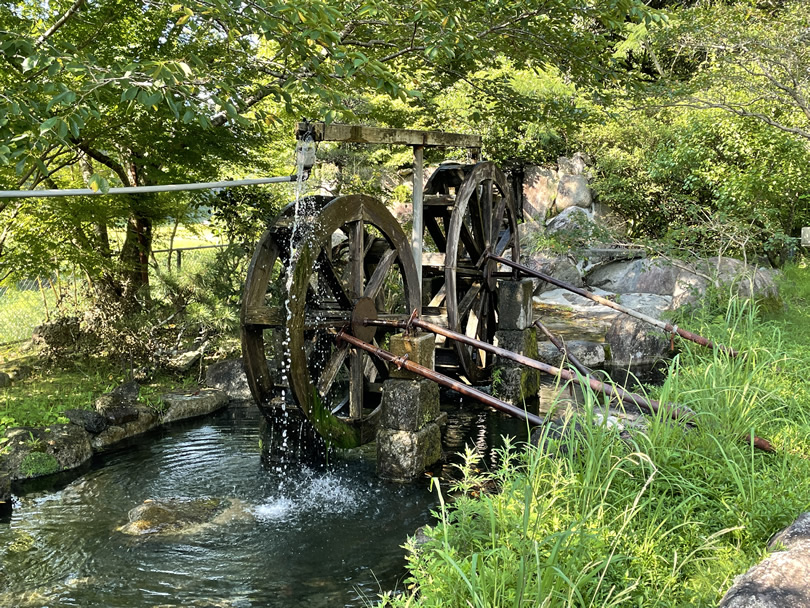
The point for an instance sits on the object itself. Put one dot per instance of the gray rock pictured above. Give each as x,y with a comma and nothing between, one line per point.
574,222
749,280
558,266
145,420
180,406
555,436
185,360
173,516
634,342
129,390
5,489
5,380
19,372
539,192
649,304
798,531
116,409
90,421
55,448
781,580
573,166
590,354
573,191
229,376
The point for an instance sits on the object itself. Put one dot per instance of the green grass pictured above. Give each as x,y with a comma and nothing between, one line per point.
41,399
663,517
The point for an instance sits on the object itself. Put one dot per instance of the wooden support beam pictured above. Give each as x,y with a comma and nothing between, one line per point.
376,135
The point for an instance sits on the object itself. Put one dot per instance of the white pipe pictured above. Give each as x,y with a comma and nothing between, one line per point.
144,189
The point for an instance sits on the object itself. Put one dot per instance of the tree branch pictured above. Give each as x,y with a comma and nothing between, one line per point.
59,23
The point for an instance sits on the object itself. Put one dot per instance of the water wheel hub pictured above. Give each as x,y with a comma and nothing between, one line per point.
364,308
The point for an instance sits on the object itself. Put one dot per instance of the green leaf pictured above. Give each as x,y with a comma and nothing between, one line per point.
48,125
129,94
98,183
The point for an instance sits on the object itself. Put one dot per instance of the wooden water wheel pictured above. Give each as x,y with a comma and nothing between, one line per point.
350,260
468,210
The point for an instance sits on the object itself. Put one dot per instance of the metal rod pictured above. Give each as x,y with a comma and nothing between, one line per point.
673,412
667,327
443,380
146,189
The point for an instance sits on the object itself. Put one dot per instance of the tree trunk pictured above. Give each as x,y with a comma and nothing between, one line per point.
134,258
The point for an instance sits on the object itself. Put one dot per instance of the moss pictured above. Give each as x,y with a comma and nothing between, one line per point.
37,464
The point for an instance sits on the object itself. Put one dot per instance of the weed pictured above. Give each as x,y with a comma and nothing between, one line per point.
36,464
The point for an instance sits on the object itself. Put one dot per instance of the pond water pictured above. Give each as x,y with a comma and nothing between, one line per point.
307,537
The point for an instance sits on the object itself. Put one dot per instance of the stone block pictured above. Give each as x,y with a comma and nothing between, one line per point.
408,405
522,342
806,236
403,455
420,349
180,406
515,304
515,384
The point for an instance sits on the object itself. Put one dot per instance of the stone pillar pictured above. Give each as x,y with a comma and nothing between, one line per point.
806,236
513,382
408,438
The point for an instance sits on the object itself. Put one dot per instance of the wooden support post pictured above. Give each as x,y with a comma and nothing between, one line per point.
418,219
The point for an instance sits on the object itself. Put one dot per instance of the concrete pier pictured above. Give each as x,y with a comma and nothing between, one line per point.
409,438
511,381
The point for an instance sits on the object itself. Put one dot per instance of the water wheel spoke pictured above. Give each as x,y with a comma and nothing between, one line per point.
377,280
331,370
435,232
468,300
486,213
503,242
481,328
356,384
356,256
466,237
327,271
439,297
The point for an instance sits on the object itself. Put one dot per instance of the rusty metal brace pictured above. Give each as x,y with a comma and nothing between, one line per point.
672,335
409,325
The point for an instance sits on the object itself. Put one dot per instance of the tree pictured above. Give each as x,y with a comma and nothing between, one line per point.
141,93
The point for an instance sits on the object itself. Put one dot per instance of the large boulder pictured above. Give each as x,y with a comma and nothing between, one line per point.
560,267
590,354
574,223
90,421
181,516
782,579
34,452
573,191
539,191
635,343
749,281
681,282
145,420
575,165
229,376
180,406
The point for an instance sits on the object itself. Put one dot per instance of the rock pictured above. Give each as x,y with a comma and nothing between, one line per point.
564,299
558,266
5,380
797,532
90,421
229,376
781,580
183,361
408,405
5,489
634,342
648,304
129,390
59,334
174,516
555,436
180,406
750,281
590,354
573,166
573,191
116,409
574,222
145,420
539,191
34,452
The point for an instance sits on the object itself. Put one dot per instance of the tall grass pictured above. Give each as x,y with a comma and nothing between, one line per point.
657,516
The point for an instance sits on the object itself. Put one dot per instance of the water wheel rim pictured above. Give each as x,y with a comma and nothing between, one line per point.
458,316
342,210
